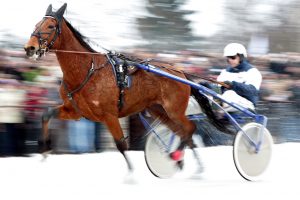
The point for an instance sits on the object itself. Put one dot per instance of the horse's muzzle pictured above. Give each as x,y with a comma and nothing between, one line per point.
32,52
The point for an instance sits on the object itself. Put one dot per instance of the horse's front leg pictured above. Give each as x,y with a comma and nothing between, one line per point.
60,112
44,140
113,124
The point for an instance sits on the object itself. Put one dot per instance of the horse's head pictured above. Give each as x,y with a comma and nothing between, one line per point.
46,33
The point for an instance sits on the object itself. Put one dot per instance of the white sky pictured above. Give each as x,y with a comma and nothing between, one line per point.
105,176
110,20
207,16
111,23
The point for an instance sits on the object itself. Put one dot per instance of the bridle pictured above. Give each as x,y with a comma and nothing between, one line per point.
44,46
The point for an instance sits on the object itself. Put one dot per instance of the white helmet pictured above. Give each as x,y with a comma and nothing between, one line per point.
234,48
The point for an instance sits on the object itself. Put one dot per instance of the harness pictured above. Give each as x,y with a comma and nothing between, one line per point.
122,71
83,83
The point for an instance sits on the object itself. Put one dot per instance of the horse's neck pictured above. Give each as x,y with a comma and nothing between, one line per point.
65,56
74,64
74,59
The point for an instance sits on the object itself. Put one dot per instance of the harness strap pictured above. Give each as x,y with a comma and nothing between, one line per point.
70,93
120,69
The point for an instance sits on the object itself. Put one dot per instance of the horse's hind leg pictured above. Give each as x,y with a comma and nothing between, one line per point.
188,128
157,111
113,124
179,124
186,133
175,120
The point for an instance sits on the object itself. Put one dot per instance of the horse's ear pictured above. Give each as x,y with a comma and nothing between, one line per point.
49,10
60,12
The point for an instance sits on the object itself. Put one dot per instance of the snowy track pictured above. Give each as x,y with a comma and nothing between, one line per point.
105,176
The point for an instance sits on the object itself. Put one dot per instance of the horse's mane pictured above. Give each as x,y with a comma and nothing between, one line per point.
81,38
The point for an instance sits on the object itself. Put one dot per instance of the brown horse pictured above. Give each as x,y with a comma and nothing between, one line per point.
90,89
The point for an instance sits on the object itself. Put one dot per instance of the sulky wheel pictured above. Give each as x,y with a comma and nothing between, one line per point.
249,162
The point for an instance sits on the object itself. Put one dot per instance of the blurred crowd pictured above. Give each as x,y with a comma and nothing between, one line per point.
28,87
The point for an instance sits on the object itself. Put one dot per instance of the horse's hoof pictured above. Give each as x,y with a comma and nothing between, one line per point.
180,164
45,155
44,146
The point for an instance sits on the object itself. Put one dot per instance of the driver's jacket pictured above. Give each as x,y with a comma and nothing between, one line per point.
245,78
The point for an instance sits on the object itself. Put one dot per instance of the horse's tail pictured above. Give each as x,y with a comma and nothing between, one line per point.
207,109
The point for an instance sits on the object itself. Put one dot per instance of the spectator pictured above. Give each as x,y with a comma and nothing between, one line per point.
12,139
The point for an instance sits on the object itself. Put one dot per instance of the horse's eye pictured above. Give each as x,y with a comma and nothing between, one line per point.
51,27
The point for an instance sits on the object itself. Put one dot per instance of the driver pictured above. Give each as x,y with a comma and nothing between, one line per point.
243,79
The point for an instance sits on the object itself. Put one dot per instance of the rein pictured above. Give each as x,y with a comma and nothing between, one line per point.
76,52
198,76
124,57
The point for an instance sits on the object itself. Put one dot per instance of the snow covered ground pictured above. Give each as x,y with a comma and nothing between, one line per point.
104,176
